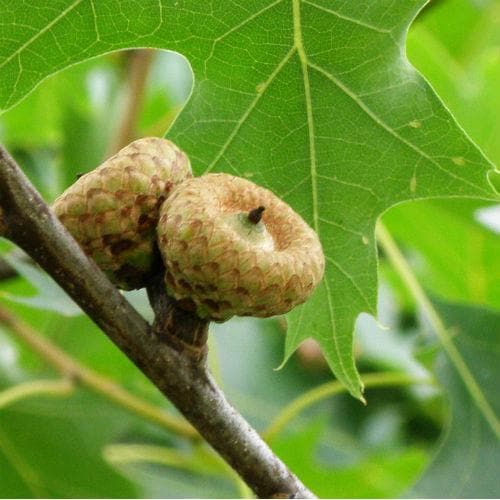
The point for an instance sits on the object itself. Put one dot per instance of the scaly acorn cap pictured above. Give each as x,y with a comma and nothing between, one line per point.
231,247
113,211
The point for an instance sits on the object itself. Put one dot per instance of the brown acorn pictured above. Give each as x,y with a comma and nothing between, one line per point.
231,247
113,211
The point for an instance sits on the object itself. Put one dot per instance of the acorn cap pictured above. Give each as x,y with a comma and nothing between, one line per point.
112,211
231,247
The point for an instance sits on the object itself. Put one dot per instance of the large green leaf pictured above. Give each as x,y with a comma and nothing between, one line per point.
314,99
466,462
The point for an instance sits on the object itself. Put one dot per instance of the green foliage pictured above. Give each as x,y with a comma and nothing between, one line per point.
317,101
49,296
44,463
323,87
460,254
380,475
466,463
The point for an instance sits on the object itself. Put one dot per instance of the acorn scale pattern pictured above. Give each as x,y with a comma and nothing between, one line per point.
113,210
212,265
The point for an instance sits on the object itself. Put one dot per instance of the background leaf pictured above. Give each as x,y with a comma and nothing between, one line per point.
50,296
380,475
466,463
453,254
47,464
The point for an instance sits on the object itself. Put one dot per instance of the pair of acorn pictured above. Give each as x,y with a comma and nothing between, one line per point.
225,245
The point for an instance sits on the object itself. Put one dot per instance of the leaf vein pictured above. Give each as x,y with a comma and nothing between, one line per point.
389,129
40,33
341,226
353,282
236,28
347,18
334,331
250,108
309,113
347,183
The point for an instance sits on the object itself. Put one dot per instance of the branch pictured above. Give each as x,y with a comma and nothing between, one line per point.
186,382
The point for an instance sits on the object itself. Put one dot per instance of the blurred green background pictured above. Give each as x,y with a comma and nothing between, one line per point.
80,444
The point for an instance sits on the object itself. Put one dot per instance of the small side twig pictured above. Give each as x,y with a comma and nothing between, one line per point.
187,383
182,330
72,369
328,389
138,65
62,387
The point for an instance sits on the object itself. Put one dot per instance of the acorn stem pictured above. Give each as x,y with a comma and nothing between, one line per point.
255,215
183,330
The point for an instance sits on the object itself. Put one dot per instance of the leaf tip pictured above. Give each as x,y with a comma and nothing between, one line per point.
360,393
356,390
278,368
286,357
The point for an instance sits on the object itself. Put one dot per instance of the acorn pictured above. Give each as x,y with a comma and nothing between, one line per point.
231,247
113,210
